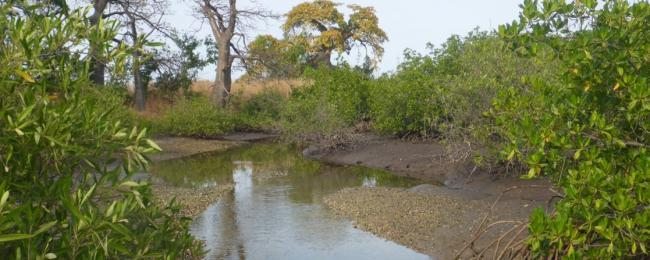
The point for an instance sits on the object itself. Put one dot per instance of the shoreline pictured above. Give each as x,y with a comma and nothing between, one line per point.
446,215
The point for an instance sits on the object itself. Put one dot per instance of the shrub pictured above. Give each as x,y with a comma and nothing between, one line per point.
332,99
58,196
405,102
261,111
445,94
591,131
196,116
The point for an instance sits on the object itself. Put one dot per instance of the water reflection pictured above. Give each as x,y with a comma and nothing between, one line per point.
275,210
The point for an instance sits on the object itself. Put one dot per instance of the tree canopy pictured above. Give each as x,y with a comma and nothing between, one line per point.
324,29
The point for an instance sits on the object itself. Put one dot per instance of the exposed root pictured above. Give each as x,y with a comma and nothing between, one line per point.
514,238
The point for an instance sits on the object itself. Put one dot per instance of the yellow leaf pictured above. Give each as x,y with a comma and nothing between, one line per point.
617,86
25,76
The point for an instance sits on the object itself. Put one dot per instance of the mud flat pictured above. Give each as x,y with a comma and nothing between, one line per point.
192,201
438,220
179,147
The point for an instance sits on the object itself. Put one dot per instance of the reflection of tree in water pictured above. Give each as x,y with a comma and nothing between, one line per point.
196,170
218,167
290,203
233,246
311,186
308,177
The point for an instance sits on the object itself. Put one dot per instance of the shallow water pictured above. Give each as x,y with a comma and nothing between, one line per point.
276,209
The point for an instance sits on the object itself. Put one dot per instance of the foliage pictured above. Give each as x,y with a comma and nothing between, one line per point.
261,111
590,131
177,71
333,99
196,116
271,58
112,97
64,191
321,27
446,93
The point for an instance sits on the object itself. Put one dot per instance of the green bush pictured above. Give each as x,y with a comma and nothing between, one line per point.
196,116
332,99
591,131
58,196
260,112
405,103
116,98
445,94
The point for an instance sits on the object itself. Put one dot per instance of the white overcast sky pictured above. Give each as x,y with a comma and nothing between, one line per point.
408,23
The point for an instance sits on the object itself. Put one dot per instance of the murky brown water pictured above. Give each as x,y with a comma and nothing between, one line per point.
276,209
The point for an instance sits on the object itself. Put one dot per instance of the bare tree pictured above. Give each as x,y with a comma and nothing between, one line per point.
227,22
142,18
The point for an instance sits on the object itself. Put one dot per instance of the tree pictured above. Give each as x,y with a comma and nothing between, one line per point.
136,17
98,64
323,28
591,131
142,15
176,70
227,21
66,159
269,57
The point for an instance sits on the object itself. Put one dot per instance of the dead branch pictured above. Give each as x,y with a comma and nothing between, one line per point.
513,243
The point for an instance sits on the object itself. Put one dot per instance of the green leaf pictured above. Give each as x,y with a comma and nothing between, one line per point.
45,227
3,200
88,193
154,145
154,44
25,76
14,237
131,184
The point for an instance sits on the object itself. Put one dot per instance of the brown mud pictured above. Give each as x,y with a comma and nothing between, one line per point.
438,220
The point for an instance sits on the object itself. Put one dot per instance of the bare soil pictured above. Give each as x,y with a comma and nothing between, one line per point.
179,147
438,220
191,201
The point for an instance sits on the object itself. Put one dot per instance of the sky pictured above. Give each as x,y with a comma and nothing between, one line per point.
409,23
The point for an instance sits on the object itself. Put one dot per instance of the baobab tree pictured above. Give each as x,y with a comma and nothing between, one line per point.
227,22
324,29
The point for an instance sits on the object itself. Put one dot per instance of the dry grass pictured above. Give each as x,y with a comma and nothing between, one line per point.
247,89
157,103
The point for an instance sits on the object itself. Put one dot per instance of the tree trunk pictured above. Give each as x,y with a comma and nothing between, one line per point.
98,69
98,66
223,80
323,58
138,86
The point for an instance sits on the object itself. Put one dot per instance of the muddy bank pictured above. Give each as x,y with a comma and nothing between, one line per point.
438,220
408,218
179,147
192,201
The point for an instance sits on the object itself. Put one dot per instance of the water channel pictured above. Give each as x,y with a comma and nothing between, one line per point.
275,210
